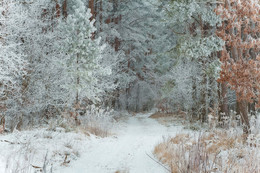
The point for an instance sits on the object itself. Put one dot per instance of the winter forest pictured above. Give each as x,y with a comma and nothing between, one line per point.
130,86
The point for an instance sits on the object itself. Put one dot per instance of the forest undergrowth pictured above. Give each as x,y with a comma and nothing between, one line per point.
220,148
55,144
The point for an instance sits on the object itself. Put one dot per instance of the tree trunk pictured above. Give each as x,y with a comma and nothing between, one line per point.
77,81
214,96
224,101
203,103
204,93
137,107
91,5
194,97
57,9
244,116
251,108
2,122
64,9
127,97
238,112
100,15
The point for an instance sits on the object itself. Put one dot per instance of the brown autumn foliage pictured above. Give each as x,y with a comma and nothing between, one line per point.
240,57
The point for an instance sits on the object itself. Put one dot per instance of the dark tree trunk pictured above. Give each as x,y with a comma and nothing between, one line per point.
64,9
223,101
238,112
100,15
244,116
127,98
137,107
204,93
91,5
203,103
251,108
77,82
194,97
57,15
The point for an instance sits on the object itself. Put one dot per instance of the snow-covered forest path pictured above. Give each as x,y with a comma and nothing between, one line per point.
128,151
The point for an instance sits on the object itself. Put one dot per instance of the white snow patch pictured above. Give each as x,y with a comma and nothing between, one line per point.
126,152
25,151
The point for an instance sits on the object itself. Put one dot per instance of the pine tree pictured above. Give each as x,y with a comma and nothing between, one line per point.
133,29
194,22
83,54
12,59
43,81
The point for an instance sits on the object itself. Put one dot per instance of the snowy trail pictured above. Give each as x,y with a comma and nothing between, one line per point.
127,152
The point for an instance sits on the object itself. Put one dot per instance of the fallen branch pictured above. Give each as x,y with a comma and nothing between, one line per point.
65,162
36,167
10,142
158,162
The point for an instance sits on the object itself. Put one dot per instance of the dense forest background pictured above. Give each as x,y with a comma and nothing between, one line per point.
193,56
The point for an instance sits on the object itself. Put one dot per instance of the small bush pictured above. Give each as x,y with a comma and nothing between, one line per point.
94,121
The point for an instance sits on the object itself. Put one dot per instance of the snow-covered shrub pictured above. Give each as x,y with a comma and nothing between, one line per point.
39,150
214,151
97,121
90,120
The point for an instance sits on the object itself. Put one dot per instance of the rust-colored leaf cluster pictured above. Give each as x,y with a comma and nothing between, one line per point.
240,57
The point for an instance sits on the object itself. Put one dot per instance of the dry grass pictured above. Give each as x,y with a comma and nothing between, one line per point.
168,119
95,129
96,122
161,115
220,140
122,171
217,151
166,115
1,130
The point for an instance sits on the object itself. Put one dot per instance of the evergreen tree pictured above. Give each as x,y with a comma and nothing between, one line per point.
43,81
12,60
133,30
82,60
194,22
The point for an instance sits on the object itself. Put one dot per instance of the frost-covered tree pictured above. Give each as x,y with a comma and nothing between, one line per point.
133,29
240,57
30,34
42,88
12,59
82,59
194,22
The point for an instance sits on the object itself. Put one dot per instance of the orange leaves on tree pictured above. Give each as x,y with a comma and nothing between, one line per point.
240,57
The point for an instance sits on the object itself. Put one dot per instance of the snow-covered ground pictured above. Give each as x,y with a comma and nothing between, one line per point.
126,151
39,149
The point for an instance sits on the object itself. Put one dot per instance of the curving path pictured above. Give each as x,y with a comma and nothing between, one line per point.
127,152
